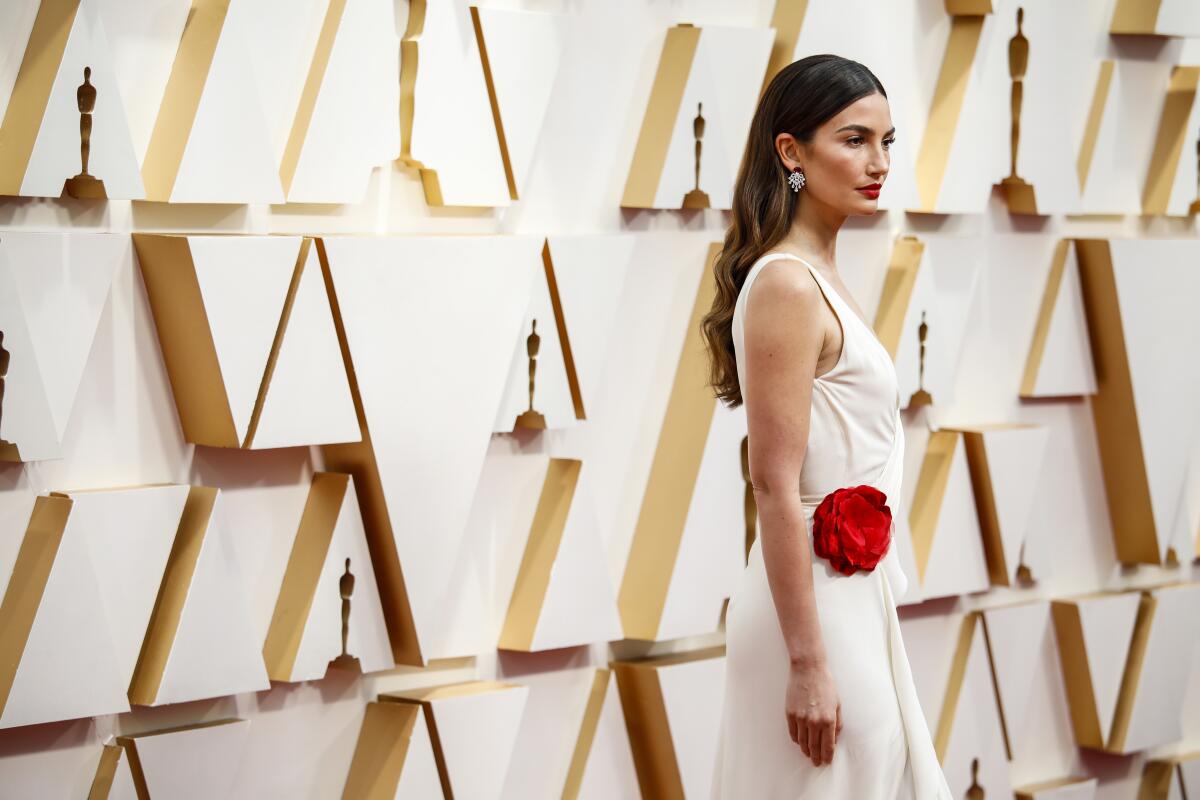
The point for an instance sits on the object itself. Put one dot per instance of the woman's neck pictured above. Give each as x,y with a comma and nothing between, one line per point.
813,234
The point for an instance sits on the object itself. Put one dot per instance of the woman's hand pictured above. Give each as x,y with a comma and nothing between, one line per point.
814,714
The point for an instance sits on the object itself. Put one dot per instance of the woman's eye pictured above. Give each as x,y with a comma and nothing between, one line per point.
855,140
889,142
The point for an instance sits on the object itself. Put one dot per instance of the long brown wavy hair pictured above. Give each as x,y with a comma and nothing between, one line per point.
799,99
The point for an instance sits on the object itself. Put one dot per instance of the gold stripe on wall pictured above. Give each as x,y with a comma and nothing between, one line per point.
564,338
31,92
954,685
968,7
787,19
975,445
647,723
948,98
172,595
310,550
181,98
672,481
312,90
587,734
106,772
1114,413
654,139
494,100
541,550
185,338
897,292
1135,16
930,492
381,750
1077,673
1127,696
1168,145
27,584
264,385
1091,130
1041,331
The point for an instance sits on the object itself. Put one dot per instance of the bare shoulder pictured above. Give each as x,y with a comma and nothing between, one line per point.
784,299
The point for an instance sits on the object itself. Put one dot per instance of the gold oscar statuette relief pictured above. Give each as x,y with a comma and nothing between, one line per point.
975,791
921,397
84,186
696,198
1018,194
4,359
530,418
1194,208
345,661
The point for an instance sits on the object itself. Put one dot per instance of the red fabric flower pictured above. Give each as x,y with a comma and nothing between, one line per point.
852,528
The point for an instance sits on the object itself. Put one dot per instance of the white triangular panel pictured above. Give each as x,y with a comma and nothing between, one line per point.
430,413
1189,773
1016,636
580,605
712,547
694,722
308,401
193,763
354,125
1155,281
1107,622
1066,367
144,38
215,651
523,51
419,776
590,272
228,156
453,113
944,290
244,282
63,283
726,71
1125,135
1157,704
128,534
956,562
367,639
976,731
56,151
477,733
67,668
1015,455
26,420
123,786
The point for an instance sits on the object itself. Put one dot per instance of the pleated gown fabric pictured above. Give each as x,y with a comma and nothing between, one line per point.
884,751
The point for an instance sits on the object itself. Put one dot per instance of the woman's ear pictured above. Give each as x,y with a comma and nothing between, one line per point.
788,150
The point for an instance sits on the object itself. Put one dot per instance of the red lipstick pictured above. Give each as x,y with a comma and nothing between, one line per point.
871,190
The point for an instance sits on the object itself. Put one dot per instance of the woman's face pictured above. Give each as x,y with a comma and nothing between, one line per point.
847,161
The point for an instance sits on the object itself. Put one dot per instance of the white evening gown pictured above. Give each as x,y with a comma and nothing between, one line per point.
884,751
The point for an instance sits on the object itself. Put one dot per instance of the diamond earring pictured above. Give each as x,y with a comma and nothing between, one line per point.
796,180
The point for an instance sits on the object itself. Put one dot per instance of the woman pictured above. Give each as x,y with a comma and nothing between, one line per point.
819,700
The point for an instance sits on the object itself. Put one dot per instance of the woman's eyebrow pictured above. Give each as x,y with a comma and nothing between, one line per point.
863,129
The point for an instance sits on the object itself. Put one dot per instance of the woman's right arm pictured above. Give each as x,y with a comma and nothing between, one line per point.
783,341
